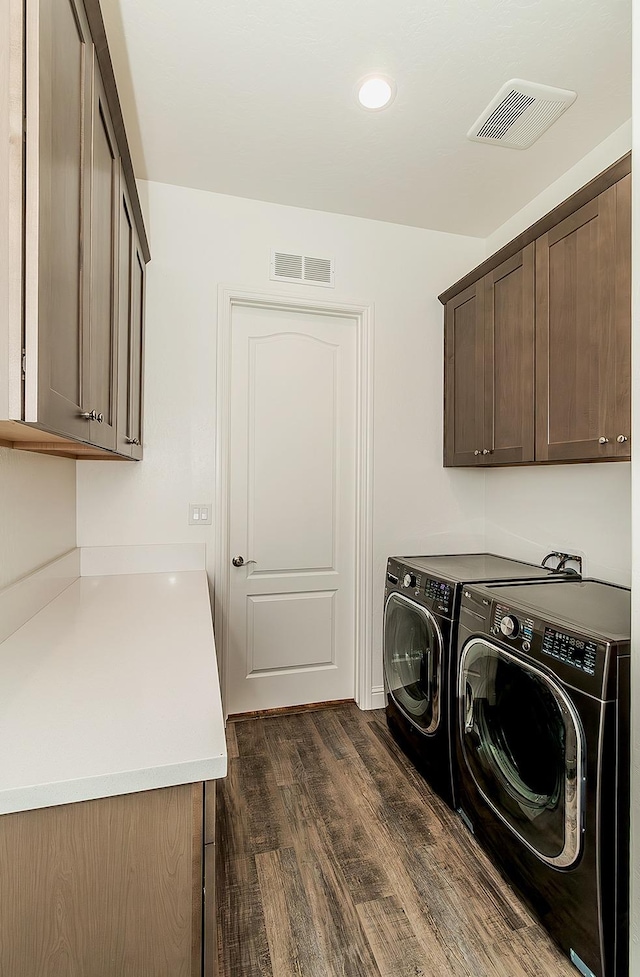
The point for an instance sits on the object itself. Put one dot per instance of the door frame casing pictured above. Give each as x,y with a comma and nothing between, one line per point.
230,298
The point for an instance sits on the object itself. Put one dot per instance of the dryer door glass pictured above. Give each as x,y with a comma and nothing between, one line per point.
522,742
413,661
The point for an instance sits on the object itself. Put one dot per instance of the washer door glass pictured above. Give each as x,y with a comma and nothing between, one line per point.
522,742
413,661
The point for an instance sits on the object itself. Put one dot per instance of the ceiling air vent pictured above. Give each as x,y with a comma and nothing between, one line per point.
520,113
302,269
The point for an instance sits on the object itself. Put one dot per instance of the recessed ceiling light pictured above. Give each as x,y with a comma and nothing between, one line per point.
376,92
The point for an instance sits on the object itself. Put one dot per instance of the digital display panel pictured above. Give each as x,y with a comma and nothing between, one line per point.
440,593
573,651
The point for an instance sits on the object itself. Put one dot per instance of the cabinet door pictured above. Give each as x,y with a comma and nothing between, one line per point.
100,350
576,325
464,377
130,323
210,927
136,368
210,915
59,74
509,413
104,888
622,426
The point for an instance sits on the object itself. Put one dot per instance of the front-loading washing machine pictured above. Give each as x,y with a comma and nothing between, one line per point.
422,596
543,753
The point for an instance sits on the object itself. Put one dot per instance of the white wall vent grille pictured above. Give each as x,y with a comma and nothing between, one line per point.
302,269
520,113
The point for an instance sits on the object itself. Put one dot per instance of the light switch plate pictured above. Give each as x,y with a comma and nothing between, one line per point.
199,513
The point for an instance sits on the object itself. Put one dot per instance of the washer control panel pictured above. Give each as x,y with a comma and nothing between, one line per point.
579,659
504,622
431,592
509,626
576,652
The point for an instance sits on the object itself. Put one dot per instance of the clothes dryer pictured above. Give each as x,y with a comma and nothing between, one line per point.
422,597
543,753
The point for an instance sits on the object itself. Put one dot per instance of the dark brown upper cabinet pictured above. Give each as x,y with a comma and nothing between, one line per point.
131,332
58,168
583,316
464,376
543,328
101,316
489,367
61,382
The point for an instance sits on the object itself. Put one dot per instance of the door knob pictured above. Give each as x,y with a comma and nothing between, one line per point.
622,438
239,561
89,415
132,440
100,417
487,451
476,452
603,440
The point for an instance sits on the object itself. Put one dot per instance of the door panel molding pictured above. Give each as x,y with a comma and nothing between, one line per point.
230,298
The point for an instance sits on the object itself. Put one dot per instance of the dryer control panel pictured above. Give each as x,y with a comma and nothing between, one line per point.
440,594
575,658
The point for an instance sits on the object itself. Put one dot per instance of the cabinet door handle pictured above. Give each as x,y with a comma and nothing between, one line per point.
132,440
487,451
603,440
89,415
477,451
622,438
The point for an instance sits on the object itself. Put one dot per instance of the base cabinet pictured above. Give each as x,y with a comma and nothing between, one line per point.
115,887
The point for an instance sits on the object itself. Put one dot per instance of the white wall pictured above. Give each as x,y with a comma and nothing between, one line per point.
581,508
603,155
37,511
200,240
584,509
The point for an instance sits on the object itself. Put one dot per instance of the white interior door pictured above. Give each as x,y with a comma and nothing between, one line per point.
292,509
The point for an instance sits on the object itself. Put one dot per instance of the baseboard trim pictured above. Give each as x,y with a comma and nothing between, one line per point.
287,710
378,698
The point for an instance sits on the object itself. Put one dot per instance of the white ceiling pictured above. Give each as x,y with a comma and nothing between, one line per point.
256,98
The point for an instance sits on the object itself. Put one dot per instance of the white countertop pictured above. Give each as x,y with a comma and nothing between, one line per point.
111,688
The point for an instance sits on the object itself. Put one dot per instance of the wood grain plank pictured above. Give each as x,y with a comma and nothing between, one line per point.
282,752
397,950
321,886
283,949
243,948
374,875
232,742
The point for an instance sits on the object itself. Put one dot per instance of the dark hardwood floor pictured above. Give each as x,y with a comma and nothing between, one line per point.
336,860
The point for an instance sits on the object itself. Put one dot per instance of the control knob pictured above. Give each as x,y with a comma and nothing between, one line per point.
409,580
509,626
